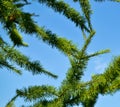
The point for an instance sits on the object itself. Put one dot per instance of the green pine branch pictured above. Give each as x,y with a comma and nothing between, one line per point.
24,62
64,45
37,92
66,10
9,54
5,64
11,102
86,8
106,83
87,42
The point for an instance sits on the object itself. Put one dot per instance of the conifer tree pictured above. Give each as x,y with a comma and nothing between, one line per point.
72,91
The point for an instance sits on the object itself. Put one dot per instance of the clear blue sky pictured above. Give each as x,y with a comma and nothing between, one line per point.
105,20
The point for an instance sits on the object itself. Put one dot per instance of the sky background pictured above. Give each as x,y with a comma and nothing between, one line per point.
105,21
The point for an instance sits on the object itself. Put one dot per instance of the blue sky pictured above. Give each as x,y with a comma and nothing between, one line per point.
105,20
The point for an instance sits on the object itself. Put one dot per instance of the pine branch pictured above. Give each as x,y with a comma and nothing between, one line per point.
28,26
112,75
55,41
97,53
11,102
10,67
86,8
37,92
66,10
88,40
108,82
23,61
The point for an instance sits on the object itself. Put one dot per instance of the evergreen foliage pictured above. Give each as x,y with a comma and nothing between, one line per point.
12,18
73,91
